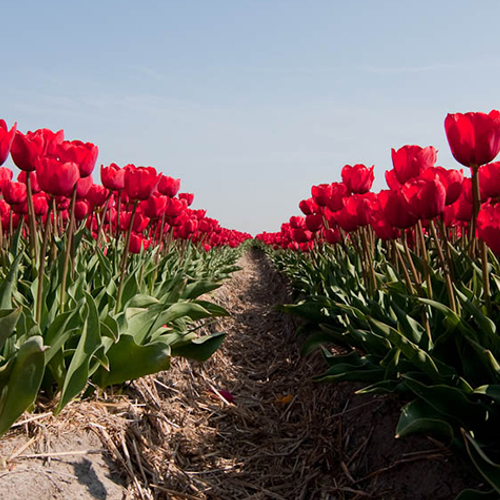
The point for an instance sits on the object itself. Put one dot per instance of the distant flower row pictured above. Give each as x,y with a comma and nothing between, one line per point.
418,190
55,171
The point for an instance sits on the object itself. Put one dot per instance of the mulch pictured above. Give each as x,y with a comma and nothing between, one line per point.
178,435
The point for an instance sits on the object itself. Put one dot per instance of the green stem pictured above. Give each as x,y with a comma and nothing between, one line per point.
123,263
69,242
41,267
425,257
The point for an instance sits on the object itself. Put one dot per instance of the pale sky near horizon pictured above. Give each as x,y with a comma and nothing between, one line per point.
249,102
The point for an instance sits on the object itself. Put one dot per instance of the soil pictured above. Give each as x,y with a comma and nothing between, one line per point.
247,424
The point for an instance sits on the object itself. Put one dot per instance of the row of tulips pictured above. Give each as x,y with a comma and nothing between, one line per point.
99,284
408,281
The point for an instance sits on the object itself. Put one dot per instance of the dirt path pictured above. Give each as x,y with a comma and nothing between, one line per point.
282,437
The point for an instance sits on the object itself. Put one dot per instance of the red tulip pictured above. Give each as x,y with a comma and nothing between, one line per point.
426,197
6,139
488,226
40,203
22,177
332,236
6,175
392,181
396,209
297,222
474,138
140,182
113,177
175,207
97,195
83,154
14,192
321,194
489,179
83,186
358,179
314,222
382,228
189,197
338,192
411,161
57,178
136,242
82,209
155,206
451,179
26,150
308,206
168,185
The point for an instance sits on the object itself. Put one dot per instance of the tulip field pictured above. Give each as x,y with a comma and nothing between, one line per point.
103,283
407,281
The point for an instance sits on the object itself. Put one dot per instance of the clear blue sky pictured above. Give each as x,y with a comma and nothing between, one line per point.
249,102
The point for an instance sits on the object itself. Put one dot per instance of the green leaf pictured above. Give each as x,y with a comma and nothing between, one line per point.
8,321
477,495
420,417
147,359
8,284
451,402
488,469
194,290
78,371
200,348
24,379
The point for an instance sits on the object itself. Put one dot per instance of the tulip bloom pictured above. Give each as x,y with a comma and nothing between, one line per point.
57,178
339,191
140,182
26,150
321,194
489,179
488,226
136,242
308,207
168,185
97,195
314,222
396,209
189,197
474,138
83,154
411,161
426,197
113,177
14,192
6,139
6,175
358,179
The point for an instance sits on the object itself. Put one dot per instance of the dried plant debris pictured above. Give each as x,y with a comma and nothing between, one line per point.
247,424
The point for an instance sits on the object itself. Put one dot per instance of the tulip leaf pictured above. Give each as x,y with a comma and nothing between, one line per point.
488,469
477,495
8,321
200,348
150,358
25,376
420,417
78,370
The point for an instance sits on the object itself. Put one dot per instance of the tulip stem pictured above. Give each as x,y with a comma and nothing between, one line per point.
123,263
414,272
447,275
69,243
425,257
31,214
476,191
368,253
41,267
